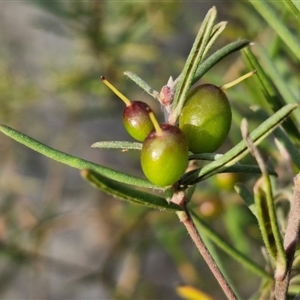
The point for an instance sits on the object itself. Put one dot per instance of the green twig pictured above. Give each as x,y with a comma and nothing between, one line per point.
185,218
234,253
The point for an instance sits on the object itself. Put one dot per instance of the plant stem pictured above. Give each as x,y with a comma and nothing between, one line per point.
234,253
185,218
265,208
290,240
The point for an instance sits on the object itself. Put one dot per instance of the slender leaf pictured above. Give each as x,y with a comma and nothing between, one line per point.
194,59
265,207
240,150
290,147
294,9
217,30
221,263
236,168
264,221
296,4
218,56
248,169
125,192
74,161
272,95
205,156
234,253
277,79
279,27
142,84
246,195
118,145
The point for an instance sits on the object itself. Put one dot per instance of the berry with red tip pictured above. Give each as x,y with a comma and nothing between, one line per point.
135,115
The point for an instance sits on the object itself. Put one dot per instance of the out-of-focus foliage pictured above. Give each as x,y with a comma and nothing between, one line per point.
77,243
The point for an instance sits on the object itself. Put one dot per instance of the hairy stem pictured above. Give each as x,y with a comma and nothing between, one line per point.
185,218
290,240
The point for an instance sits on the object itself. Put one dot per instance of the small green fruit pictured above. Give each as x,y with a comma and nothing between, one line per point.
135,115
164,155
206,118
136,120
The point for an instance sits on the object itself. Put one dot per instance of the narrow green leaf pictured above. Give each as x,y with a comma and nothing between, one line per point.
218,56
118,145
222,265
264,220
125,192
294,9
205,156
272,95
234,253
194,59
248,169
142,84
290,147
74,161
279,82
236,168
246,195
217,30
240,150
265,207
296,4
267,12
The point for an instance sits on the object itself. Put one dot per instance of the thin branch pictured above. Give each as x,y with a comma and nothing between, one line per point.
185,218
290,240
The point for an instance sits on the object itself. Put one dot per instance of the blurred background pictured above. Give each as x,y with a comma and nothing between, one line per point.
59,237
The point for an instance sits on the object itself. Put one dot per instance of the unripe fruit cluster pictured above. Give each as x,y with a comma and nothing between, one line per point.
203,126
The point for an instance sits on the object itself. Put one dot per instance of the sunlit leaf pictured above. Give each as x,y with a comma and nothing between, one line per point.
74,161
193,61
118,145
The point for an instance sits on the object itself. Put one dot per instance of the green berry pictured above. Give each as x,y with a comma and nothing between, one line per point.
164,155
206,118
136,120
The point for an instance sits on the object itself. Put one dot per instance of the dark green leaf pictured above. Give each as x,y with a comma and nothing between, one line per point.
125,192
218,56
271,93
